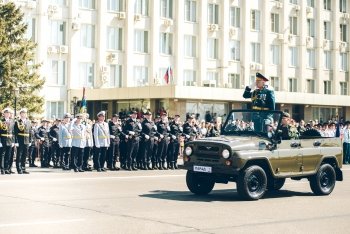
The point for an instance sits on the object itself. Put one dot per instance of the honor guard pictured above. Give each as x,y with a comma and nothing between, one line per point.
147,142
189,129
22,133
78,143
174,145
55,147
132,129
33,148
163,142
261,94
43,135
115,129
89,143
102,141
65,140
7,141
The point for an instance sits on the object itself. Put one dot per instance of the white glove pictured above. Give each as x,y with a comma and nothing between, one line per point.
161,136
112,137
54,139
120,128
168,138
13,144
156,138
42,138
194,129
139,125
187,136
168,128
174,137
181,129
252,86
155,127
147,137
61,146
16,144
0,145
131,133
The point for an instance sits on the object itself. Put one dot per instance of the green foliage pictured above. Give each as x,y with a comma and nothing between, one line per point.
17,63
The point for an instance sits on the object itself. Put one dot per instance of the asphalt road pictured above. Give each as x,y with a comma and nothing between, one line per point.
53,201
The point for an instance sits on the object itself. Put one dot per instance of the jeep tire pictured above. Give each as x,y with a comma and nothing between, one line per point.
275,184
199,184
252,183
323,182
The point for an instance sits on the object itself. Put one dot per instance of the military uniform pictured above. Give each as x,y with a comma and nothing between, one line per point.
102,141
43,135
174,145
65,141
163,143
132,129
7,139
78,144
147,144
22,133
115,130
55,147
89,145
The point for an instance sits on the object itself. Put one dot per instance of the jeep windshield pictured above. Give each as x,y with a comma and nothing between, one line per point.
252,122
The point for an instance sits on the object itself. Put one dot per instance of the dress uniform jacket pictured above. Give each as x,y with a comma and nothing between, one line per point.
78,135
22,131
7,132
262,99
89,135
65,135
101,134
43,135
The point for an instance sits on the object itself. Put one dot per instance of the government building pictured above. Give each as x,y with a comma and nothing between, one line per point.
191,56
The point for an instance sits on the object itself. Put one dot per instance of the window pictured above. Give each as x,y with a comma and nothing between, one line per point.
235,17
343,88
255,52
87,35
87,4
189,78
212,48
30,33
255,20
140,76
234,50
293,56
311,63
327,30
58,32
275,23
190,46
343,33
327,4
58,2
275,54
293,1
166,8
344,62
327,60
310,86
311,27
293,25
213,14
115,5
275,82
141,41
212,79
54,110
342,6
114,38
190,10
86,74
310,3
292,85
141,7
166,43
58,72
234,81
327,87
115,79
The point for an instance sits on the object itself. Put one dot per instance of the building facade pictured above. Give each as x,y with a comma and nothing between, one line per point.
191,56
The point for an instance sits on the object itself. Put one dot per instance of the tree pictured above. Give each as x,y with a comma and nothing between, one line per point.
17,66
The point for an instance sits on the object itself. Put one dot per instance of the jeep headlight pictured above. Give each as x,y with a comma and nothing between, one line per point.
225,154
188,151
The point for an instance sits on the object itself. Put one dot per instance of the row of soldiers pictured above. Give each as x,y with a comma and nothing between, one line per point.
69,143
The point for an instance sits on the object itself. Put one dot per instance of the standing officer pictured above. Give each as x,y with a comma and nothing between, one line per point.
55,147
162,133
189,130
262,95
147,142
22,133
115,129
132,130
43,135
33,148
89,143
102,141
174,145
65,140
78,143
7,140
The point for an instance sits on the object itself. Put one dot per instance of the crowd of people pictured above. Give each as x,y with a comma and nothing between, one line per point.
130,142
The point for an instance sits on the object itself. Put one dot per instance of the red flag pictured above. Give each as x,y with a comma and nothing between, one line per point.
166,76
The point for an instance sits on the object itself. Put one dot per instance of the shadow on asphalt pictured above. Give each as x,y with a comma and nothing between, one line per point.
226,195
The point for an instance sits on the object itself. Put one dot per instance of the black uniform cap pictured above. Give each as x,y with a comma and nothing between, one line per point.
261,76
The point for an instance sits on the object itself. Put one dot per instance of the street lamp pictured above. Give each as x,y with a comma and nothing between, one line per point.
75,100
16,93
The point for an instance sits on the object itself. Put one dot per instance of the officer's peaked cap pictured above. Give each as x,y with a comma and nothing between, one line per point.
101,113
285,114
23,110
7,110
67,115
261,76
115,116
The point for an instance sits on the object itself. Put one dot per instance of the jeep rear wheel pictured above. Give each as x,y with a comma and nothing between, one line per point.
275,184
199,184
251,183
324,181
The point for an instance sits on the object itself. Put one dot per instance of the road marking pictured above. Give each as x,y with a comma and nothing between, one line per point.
40,222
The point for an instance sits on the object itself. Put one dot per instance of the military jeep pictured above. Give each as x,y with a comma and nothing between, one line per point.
250,151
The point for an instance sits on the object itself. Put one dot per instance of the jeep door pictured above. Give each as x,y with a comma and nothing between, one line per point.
290,157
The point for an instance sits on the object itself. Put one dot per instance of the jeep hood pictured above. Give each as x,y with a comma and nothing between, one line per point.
236,143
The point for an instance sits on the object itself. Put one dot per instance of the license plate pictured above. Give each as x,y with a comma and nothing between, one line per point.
202,169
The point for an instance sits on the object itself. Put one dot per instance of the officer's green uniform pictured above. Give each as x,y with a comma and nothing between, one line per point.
262,99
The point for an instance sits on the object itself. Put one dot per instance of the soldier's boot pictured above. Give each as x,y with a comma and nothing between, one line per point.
154,166
128,167
133,167
149,167
163,166
159,165
143,166
175,165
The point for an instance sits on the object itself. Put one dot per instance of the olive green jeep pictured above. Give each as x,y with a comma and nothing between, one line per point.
250,151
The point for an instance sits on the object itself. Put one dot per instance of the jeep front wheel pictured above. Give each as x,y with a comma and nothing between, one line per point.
251,183
324,181
199,184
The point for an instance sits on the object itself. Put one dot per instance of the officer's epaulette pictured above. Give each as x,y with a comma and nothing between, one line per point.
268,87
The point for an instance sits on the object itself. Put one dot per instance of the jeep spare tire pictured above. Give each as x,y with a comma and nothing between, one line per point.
252,183
199,184
323,182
